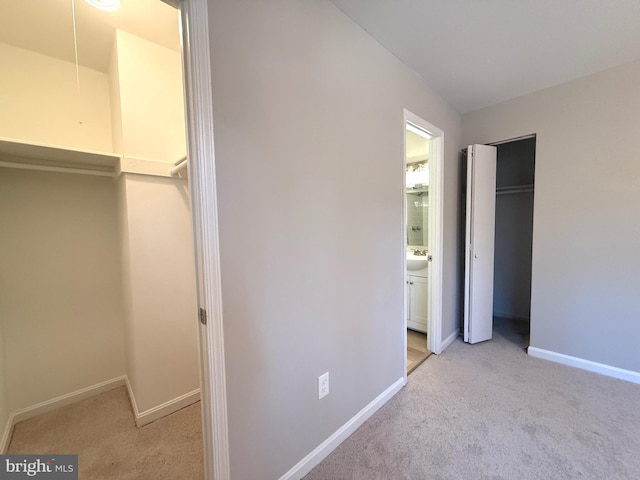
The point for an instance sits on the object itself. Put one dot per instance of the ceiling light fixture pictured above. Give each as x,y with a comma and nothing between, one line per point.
105,5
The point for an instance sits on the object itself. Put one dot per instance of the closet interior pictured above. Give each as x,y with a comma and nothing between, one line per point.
97,275
513,234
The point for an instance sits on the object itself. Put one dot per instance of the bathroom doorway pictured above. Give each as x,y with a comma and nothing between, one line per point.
422,239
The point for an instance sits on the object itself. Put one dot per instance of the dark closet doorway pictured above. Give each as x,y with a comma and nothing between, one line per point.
515,182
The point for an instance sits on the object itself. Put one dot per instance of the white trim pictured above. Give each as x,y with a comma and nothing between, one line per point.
162,410
321,452
436,241
403,243
6,435
449,340
132,398
67,399
467,242
202,183
141,419
515,139
55,403
581,363
143,166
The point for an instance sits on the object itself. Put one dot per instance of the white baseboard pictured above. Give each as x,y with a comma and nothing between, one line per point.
449,340
141,418
55,403
321,452
6,435
601,368
162,410
67,399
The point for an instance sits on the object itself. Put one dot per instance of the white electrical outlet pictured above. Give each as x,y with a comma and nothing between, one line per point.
323,385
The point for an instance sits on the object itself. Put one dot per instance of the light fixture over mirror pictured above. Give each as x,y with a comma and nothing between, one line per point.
105,5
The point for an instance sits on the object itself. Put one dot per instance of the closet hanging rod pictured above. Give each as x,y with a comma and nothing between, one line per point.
52,168
514,189
179,166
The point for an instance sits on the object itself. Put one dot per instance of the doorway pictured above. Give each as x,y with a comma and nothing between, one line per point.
499,186
515,185
422,238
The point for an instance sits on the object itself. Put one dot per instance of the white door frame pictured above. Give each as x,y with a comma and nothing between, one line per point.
436,230
202,183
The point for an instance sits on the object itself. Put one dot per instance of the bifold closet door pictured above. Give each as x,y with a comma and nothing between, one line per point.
479,245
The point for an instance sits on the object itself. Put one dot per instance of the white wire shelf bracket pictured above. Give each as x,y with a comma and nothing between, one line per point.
178,166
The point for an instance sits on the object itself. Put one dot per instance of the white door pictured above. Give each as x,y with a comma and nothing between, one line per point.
479,246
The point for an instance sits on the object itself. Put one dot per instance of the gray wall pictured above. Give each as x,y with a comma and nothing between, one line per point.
307,111
586,266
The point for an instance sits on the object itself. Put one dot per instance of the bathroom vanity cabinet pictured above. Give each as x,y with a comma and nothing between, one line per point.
417,300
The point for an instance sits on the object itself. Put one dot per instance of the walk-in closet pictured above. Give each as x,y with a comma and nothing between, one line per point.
97,271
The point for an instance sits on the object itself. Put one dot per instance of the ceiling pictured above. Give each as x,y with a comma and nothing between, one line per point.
476,53
46,26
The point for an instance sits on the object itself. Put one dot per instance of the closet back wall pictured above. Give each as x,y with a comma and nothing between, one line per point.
60,284
4,408
39,101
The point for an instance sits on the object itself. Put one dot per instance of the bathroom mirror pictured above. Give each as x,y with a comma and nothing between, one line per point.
417,218
417,197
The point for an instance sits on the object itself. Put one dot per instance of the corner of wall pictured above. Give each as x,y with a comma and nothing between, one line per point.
53,404
114,97
5,415
127,300
162,410
5,439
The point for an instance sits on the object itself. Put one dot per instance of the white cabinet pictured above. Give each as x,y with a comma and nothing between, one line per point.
417,302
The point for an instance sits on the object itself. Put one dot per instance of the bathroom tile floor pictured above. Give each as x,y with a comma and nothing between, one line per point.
417,351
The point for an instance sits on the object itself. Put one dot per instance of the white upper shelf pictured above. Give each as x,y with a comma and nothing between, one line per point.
28,153
38,156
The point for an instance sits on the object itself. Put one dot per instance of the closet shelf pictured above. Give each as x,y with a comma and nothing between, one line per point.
37,156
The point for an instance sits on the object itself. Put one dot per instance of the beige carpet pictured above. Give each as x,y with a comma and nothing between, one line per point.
489,411
101,430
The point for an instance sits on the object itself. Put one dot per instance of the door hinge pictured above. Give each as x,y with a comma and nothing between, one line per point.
203,316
